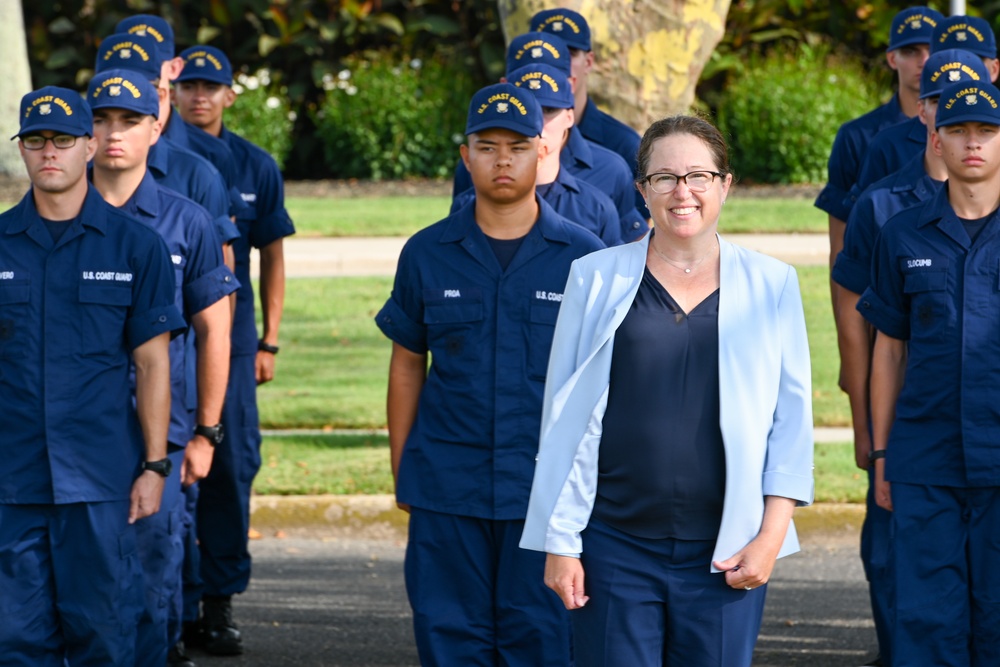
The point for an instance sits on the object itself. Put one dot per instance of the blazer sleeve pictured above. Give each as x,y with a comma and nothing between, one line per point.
788,468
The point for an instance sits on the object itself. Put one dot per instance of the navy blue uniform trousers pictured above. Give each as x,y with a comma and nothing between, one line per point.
655,602
876,557
70,585
161,554
478,599
947,574
223,518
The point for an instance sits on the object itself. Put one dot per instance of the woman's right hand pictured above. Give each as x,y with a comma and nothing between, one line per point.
564,575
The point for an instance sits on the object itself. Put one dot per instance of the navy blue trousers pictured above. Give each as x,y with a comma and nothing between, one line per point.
656,602
877,559
161,553
478,599
947,576
223,518
70,585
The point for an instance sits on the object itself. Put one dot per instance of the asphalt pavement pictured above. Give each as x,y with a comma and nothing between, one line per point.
325,594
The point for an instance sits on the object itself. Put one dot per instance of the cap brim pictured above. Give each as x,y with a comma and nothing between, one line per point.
205,76
909,41
520,128
969,118
155,113
62,128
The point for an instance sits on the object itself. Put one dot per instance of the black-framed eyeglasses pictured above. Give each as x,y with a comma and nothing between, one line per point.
697,181
36,142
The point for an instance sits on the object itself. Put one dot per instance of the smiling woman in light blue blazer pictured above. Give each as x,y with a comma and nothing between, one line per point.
676,431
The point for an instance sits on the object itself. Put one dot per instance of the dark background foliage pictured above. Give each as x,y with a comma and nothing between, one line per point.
305,46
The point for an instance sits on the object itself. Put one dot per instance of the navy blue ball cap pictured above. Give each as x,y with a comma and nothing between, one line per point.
549,85
533,48
914,25
123,89
206,63
976,102
970,33
565,23
125,51
948,67
153,26
56,109
505,106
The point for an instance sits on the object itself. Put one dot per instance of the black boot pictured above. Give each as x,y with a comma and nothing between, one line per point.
177,658
220,635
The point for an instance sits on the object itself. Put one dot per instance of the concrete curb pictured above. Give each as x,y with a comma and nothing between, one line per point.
376,517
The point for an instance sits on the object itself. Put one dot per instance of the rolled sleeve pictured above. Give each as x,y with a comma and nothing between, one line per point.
225,229
400,328
888,320
270,227
883,303
634,226
831,199
209,288
850,273
149,324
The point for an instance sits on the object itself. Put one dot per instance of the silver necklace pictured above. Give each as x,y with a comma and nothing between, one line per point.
679,266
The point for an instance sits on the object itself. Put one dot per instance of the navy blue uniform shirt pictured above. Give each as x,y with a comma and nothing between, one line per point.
888,152
193,176
472,448
201,279
212,149
609,132
263,221
575,200
593,164
848,152
940,293
70,315
907,187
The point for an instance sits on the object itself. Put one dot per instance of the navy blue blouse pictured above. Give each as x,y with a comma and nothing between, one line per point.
661,468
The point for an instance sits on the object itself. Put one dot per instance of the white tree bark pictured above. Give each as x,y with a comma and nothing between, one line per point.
649,53
14,84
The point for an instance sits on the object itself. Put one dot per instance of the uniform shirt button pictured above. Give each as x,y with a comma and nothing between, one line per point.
635,225
163,318
226,279
866,304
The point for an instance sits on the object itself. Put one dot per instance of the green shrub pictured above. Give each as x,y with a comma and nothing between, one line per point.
782,113
261,114
386,120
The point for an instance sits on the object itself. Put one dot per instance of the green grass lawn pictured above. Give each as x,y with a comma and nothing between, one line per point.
302,465
334,361
402,216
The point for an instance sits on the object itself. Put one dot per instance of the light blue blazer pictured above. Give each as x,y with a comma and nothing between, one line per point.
764,382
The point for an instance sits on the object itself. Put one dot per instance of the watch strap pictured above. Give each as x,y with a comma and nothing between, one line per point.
161,467
265,347
214,434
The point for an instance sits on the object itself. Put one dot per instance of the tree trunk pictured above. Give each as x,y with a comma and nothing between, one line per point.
648,53
14,84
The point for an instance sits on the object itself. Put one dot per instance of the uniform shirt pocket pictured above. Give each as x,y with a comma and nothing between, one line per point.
454,332
14,303
103,311
930,301
541,327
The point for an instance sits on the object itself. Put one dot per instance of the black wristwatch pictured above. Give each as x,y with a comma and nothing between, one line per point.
875,455
214,434
161,467
264,347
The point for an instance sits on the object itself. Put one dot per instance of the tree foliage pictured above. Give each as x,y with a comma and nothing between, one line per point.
300,42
